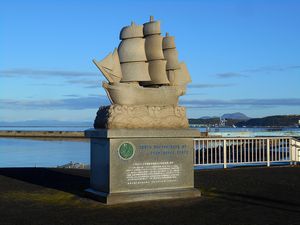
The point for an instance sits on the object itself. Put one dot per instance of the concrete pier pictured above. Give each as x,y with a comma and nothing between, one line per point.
39,134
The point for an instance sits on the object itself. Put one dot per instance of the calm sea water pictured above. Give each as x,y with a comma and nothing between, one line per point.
16,152
25,152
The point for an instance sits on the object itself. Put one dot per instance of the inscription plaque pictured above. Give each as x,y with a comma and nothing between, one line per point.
152,172
157,163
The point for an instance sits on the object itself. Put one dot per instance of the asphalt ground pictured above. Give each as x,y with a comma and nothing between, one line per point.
40,196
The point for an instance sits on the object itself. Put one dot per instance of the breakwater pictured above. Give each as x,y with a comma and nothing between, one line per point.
41,134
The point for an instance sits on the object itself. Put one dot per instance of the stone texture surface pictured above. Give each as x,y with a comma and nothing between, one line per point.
141,116
143,133
130,94
117,198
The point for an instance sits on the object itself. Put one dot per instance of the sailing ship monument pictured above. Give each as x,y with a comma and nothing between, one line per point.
142,148
145,80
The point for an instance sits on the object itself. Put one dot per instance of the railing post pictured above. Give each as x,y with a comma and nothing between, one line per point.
224,154
195,152
292,151
268,152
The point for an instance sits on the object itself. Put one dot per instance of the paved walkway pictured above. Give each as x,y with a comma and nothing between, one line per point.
234,196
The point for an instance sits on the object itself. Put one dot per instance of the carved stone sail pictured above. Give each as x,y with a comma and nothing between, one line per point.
153,47
154,53
170,53
110,67
132,50
186,77
180,77
132,54
171,56
178,74
135,71
157,71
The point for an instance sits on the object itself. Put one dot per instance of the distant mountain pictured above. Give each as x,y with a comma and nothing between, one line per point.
207,117
46,123
240,120
235,116
231,119
271,121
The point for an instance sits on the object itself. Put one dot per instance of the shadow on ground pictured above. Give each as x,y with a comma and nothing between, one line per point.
73,181
240,196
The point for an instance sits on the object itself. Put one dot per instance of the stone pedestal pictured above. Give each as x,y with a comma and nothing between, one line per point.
130,165
141,117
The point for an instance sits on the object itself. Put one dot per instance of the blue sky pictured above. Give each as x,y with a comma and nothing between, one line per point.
243,56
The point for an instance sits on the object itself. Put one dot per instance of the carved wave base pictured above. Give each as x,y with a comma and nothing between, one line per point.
141,116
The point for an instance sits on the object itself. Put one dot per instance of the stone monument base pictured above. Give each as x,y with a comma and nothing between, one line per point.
118,198
141,116
129,165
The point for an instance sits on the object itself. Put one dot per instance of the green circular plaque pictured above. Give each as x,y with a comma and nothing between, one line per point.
126,150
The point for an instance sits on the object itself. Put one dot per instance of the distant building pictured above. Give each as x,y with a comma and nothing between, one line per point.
222,122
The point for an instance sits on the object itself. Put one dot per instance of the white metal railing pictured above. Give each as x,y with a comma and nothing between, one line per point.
243,151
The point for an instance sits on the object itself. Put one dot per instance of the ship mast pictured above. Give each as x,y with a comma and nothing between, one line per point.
178,74
132,54
154,53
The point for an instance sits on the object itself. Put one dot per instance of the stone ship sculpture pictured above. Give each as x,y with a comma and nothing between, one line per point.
145,80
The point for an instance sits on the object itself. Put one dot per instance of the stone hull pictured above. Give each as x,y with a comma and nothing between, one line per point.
128,94
141,164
